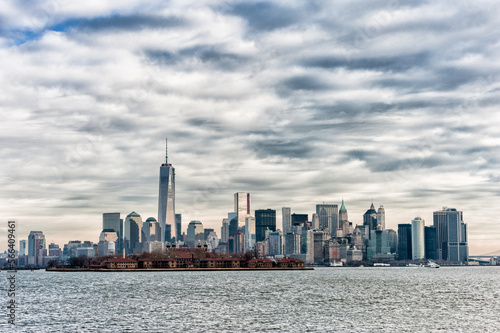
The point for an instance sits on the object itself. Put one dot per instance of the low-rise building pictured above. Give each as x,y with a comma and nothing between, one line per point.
290,263
260,263
120,263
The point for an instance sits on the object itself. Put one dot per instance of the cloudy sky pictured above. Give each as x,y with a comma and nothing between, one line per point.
296,102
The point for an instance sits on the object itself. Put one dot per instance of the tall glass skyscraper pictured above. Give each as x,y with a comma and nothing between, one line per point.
404,242
286,220
242,207
166,196
113,221
417,238
452,235
178,227
264,219
328,215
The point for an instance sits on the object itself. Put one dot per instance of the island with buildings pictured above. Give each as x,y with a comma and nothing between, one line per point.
174,259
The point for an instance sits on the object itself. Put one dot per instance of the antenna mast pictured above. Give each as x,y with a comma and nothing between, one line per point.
166,150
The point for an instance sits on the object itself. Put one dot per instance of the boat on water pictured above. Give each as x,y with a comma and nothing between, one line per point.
336,264
430,264
412,265
380,264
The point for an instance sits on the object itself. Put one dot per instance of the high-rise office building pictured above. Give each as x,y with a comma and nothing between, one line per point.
343,220
393,240
417,238
22,248
404,242
431,243
370,219
315,221
233,223
319,239
275,241
113,221
224,231
166,196
151,231
378,243
452,235
195,234
299,219
264,219
381,217
242,207
286,219
343,217
249,232
132,240
178,227
328,215
36,248
108,240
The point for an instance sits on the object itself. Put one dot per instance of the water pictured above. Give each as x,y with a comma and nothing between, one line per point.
449,299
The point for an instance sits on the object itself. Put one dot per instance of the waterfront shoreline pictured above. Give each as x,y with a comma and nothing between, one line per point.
176,269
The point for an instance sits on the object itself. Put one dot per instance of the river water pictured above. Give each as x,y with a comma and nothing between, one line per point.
385,299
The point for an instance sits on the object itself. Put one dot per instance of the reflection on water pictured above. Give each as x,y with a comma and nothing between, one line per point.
455,299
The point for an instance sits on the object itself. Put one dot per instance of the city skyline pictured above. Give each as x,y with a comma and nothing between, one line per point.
296,104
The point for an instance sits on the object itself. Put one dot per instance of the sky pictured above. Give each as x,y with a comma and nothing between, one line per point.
295,102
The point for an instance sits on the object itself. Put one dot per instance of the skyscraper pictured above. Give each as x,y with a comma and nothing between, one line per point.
264,219
370,219
36,248
299,219
430,239
249,232
178,227
132,240
404,242
233,223
378,243
242,207
452,235
381,217
195,234
224,231
286,220
343,220
166,196
113,221
417,238
328,215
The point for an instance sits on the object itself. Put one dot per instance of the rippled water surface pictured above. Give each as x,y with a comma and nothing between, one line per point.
386,299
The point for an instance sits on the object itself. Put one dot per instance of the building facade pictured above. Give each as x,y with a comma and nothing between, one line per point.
264,219
328,215
242,207
417,238
166,196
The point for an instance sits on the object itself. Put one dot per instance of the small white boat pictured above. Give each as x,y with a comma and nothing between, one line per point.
336,264
412,265
380,264
430,264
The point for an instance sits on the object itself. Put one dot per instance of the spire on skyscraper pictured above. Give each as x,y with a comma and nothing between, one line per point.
342,207
166,150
